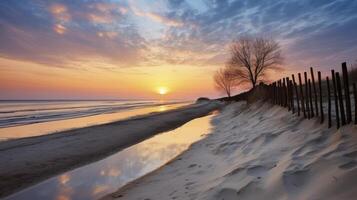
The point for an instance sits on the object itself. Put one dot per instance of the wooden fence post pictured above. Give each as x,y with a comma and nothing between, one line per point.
340,99
307,96
270,92
302,96
336,99
284,92
320,92
297,95
315,93
329,102
355,98
288,93
347,92
292,97
279,92
273,92
310,98
276,92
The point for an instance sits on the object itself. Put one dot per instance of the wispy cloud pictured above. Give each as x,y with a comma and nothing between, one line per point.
66,34
105,34
156,17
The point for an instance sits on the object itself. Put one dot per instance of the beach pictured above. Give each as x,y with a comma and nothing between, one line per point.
257,151
27,164
178,100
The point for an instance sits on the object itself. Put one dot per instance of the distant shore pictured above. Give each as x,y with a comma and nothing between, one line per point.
31,160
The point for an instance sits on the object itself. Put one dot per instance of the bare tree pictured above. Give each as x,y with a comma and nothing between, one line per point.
224,81
252,57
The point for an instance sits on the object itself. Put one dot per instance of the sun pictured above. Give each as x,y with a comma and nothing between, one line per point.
162,90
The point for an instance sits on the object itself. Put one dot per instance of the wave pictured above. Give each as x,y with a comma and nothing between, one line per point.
30,112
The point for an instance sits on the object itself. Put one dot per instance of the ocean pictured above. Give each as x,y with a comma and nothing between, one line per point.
32,118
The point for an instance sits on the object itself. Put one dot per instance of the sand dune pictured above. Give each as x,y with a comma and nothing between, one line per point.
30,160
258,152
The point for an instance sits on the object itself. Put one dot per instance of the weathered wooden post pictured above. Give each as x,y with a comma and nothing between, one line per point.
320,92
315,93
297,95
307,96
292,97
279,92
302,96
340,99
355,98
276,93
270,92
329,102
347,92
336,99
284,93
273,93
310,98
288,93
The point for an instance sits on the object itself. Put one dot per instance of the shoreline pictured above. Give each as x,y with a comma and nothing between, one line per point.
28,165
274,156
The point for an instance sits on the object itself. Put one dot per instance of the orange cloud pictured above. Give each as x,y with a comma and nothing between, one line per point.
62,16
107,34
58,8
60,12
103,12
100,19
59,28
156,17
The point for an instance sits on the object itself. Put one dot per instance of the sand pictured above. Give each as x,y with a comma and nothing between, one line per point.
31,160
257,152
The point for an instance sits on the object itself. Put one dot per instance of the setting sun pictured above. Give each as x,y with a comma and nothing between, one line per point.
162,90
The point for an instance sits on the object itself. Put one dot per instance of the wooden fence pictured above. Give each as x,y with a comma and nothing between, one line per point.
307,98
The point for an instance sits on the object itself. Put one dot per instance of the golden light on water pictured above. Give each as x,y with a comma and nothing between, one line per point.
162,90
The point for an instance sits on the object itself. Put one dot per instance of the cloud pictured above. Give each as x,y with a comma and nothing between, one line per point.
156,17
297,24
59,28
60,12
69,34
106,34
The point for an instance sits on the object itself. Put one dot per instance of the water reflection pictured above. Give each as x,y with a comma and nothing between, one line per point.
106,176
60,125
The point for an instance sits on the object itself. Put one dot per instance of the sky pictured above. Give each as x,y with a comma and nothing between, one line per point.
128,49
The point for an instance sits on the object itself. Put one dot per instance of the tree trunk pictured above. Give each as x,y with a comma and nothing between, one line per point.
253,84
